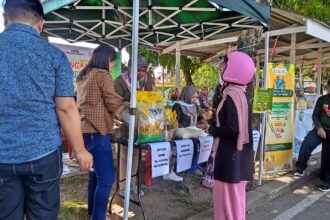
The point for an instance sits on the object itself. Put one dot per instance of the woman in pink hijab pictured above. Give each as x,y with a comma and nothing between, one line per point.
233,165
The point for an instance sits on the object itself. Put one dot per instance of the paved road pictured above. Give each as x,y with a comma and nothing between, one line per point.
305,203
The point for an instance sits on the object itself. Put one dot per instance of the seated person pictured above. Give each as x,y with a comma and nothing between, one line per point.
188,114
172,96
204,98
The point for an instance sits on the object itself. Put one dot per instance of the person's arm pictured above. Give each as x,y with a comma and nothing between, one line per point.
68,115
316,118
118,86
230,127
112,100
67,111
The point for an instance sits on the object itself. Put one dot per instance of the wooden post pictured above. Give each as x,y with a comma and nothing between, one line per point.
258,72
293,49
319,71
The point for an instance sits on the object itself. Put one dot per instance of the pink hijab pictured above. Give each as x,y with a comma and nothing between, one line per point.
237,94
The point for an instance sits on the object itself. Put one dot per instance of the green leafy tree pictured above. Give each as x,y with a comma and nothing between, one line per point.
189,65
318,9
206,75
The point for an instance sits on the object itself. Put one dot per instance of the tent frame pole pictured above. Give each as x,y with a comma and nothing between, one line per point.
132,111
177,65
264,115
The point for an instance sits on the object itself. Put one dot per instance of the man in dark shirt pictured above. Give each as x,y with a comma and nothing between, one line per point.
320,134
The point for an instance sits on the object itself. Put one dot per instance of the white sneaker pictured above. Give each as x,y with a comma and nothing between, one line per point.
299,173
173,176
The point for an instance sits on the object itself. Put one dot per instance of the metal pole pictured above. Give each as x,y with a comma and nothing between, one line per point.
264,115
132,112
177,65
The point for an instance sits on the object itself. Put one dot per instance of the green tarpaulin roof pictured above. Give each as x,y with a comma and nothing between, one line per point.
161,21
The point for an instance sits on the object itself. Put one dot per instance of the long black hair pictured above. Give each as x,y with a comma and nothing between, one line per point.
102,55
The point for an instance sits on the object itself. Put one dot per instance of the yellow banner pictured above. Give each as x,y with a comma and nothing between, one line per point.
280,122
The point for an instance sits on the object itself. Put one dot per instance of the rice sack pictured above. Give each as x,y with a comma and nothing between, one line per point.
150,113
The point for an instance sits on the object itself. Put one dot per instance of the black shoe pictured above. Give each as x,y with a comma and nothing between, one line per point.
325,187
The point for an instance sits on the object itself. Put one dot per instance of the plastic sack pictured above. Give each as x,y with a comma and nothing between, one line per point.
189,132
150,109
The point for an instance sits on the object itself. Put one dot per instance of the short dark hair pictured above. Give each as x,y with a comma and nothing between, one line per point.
100,60
24,9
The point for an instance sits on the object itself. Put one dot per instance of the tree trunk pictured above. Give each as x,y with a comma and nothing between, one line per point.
187,77
248,42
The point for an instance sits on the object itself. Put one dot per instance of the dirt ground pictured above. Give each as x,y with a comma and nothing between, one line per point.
163,200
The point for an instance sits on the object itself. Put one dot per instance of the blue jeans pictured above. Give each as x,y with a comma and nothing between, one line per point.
31,189
194,166
101,178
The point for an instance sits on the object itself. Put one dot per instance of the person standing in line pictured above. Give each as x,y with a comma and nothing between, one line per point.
233,165
98,103
36,100
145,82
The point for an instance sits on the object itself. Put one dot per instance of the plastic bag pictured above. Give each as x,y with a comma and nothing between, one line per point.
150,110
189,132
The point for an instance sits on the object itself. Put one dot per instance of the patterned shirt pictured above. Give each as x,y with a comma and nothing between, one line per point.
32,74
98,102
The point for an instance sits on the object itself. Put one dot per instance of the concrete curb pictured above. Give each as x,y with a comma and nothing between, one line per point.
260,196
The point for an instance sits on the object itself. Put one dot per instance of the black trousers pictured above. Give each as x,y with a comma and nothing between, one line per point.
310,143
325,161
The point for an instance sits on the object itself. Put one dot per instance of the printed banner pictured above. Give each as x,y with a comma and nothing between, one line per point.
205,148
280,122
185,153
160,158
80,56
263,100
304,124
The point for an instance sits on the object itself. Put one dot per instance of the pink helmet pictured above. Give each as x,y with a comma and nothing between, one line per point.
240,68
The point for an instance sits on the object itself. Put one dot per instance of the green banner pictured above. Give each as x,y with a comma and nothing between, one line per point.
117,70
281,108
282,93
278,147
263,99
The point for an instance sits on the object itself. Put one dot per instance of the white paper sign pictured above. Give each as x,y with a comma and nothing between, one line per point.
185,153
205,148
256,139
160,156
